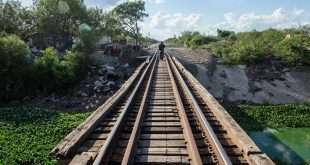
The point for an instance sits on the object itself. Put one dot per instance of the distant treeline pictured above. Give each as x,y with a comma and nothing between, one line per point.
292,46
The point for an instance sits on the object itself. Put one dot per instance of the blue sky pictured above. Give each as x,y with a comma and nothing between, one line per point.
171,17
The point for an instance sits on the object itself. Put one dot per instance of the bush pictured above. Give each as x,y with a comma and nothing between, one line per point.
221,50
58,75
196,41
252,47
20,76
14,66
248,51
295,49
192,40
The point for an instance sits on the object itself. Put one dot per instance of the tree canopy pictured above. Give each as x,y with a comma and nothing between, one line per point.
129,14
16,19
60,19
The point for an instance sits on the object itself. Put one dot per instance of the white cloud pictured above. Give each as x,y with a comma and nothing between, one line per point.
298,12
104,4
156,1
159,1
279,18
163,25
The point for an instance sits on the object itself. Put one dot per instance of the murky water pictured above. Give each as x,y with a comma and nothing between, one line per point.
291,145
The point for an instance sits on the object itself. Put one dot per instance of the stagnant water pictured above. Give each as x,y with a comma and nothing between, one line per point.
291,145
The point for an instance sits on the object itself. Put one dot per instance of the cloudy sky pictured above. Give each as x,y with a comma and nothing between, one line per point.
170,17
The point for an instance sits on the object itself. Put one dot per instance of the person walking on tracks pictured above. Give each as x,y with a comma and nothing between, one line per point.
162,48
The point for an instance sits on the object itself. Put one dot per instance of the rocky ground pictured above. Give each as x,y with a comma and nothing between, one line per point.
104,78
266,82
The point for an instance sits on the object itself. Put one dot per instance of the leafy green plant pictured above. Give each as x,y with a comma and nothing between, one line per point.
28,135
295,49
60,74
14,66
255,117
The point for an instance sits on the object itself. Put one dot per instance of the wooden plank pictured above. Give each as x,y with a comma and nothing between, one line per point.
260,159
162,136
148,159
162,143
207,160
168,107
93,143
161,98
167,93
152,119
161,130
175,114
97,136
88,149
162,151
162,124
83,159
71,141
161,110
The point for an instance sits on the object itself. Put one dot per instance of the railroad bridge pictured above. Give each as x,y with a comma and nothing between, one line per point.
161,115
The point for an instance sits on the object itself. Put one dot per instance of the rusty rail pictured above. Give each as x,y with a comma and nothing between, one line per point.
188,134
104,149
130,150
206,126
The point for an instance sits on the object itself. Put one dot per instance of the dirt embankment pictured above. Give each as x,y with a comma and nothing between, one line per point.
266,82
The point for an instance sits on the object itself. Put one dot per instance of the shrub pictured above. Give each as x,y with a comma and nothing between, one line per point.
58,75
20,76
295,49
14,67
247,52
196,41
224,33
218,48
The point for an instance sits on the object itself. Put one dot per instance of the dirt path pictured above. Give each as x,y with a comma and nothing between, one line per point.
267,82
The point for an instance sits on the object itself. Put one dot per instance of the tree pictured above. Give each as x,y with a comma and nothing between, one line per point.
129,14
60,20
16,19
224,33
95,18
113,27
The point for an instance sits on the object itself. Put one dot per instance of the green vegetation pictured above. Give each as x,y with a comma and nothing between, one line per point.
65,32
256,117
28,135
14,67
52,74
128,14
19,76
290,45
192,40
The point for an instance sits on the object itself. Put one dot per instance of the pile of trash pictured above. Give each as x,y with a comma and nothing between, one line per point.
102,82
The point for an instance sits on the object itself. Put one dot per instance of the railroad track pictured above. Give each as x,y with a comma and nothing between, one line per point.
161,115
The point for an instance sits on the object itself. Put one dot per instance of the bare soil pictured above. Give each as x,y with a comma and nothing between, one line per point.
265,82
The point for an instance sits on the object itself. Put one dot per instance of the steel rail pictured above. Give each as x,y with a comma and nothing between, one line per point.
131,147
106,145
223,155
188,134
